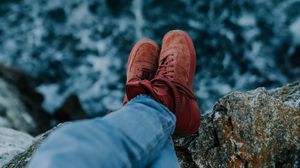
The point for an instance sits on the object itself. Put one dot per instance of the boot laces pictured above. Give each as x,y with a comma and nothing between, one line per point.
166,68
166,71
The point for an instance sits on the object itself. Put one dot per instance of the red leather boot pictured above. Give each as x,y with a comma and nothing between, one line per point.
173,82
142,62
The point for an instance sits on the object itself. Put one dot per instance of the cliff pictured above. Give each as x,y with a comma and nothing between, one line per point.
257,128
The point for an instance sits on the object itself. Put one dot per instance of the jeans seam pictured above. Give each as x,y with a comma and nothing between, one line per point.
167,125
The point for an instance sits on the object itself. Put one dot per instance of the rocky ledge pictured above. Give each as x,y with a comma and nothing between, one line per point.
258,128
20,105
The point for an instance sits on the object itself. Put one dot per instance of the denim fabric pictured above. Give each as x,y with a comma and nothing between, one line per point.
137,135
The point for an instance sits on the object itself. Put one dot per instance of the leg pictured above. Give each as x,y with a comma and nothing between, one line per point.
167,157
130,137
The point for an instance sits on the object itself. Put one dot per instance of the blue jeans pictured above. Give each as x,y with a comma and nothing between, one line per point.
137,135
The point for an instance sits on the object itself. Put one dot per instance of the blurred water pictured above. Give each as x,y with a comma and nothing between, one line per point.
81,46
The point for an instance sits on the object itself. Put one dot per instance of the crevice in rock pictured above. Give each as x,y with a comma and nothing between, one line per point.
279,164
185,157
219,108
238,157
216,139
246,164
191,139
214,130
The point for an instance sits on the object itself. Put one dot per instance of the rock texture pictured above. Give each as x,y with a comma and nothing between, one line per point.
11,143
21,159
257,128
20,105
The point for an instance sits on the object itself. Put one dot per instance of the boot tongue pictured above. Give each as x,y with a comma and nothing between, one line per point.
142,73
146,73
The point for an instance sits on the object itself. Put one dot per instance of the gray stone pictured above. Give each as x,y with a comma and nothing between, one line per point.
257,128
12,142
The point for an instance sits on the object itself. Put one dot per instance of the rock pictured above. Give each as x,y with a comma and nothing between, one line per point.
20,105
12,142
70,110
21,159
257,128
